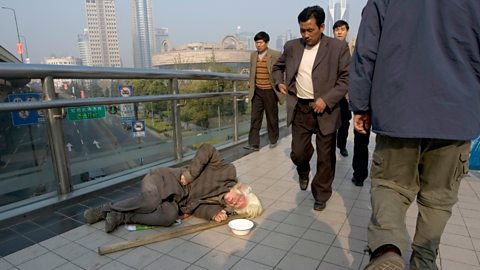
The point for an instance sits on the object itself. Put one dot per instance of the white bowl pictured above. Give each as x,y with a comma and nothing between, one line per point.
240,226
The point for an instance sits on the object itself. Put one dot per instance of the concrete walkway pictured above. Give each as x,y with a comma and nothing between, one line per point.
289,235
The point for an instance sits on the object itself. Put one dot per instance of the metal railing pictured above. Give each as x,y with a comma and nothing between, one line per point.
55,112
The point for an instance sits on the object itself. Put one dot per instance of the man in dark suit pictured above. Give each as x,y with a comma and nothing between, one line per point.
261,93
208,189
313,73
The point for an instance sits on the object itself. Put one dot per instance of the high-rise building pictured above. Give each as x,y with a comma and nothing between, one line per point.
162,40
337,10
143,33
102,33
84,48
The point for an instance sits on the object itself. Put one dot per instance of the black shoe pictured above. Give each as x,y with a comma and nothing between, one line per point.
344,152
319,206
303,183
357,182
251,147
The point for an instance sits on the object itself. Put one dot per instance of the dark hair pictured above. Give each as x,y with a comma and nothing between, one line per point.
263,36
341,23
313,11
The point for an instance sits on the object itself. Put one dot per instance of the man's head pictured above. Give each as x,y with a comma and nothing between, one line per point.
311,21
243,201
261,41
340,30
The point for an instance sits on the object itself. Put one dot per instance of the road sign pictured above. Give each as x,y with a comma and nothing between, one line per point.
125,90
138,128
85,112
26,117
112,109
127,112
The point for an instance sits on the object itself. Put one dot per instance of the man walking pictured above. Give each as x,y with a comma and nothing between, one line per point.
313,73
261,93
415,77
340,31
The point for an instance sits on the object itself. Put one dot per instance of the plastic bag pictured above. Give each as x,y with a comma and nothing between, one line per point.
474,160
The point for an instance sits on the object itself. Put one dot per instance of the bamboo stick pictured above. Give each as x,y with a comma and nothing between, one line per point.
162,236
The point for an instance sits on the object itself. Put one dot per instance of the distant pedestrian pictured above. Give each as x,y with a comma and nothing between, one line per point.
261,93
340,31
415,76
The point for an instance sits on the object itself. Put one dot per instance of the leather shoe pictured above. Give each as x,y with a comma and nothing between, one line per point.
303,183
251,147
357,182
344,152
319,206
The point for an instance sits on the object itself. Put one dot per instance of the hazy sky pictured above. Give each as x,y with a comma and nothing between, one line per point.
51,26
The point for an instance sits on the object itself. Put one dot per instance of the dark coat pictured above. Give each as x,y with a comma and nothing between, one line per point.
329,76
209,176
416,68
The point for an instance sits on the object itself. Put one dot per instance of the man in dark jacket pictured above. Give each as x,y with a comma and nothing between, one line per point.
415,76
313,74
207,189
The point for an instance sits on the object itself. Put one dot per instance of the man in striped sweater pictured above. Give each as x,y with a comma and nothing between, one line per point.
262,95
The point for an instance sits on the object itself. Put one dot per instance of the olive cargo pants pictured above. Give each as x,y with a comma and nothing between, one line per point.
428,170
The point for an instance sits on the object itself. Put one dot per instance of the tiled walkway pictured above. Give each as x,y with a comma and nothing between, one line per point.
289,235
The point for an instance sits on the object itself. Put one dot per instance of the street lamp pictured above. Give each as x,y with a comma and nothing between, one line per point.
19,44
27,59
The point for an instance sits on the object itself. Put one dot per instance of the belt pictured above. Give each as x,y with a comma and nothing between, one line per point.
305,101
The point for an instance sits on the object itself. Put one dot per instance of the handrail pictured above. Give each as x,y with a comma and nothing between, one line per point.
61,103
47,73
40,71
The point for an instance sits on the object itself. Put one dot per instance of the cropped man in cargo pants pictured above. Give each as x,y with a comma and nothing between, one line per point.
415,77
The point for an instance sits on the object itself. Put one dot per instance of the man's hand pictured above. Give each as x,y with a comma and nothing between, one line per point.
319,105
361,123
183,180
220,216
283,88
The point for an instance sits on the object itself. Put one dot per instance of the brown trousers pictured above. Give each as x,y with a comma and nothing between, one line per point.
304,125
263,101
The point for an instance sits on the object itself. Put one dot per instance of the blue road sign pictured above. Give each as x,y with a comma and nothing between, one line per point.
26,117
125,90
138,128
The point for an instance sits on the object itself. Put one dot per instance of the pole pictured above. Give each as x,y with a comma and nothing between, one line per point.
18,33
27,59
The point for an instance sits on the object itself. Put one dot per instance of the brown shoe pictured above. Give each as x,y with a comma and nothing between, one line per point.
387,261
94,215
112,221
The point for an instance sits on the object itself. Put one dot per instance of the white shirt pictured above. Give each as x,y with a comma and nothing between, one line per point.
304,81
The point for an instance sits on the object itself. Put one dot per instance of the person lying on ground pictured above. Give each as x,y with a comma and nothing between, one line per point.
208,189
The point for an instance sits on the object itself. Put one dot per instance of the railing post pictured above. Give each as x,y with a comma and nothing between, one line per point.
177,125
235,114
56,140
